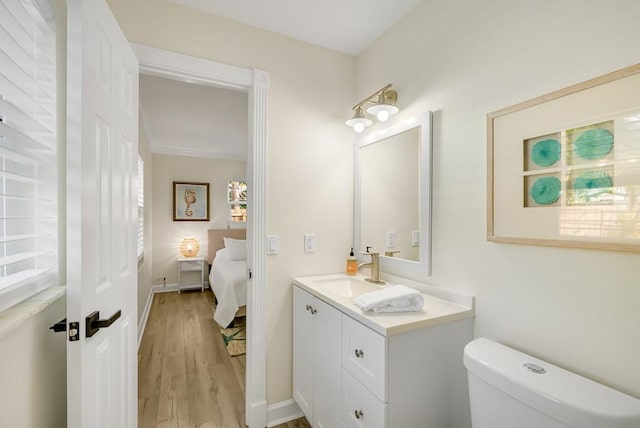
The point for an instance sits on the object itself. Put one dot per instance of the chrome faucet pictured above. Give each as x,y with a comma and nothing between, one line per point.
374,266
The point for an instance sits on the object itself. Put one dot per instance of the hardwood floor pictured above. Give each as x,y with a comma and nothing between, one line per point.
186,377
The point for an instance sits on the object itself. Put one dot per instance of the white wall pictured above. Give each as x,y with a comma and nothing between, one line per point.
463,59
309,155
167,234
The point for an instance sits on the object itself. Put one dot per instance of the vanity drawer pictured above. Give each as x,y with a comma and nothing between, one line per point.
360,408
364,356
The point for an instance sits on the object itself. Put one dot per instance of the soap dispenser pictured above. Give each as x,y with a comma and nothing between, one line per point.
352,264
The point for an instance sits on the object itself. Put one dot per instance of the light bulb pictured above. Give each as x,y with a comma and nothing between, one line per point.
383,115
358,127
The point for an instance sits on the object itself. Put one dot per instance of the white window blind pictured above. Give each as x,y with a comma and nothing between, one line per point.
140,207
28,155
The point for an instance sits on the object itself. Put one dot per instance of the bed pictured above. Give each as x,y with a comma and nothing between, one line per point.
228,272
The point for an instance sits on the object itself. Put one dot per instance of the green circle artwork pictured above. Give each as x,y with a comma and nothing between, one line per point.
546,152
592,180
545,190
593,144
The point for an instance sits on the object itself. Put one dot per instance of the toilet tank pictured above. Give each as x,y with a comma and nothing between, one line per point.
510,389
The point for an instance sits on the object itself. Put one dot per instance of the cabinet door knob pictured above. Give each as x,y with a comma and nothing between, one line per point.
359,353
358,414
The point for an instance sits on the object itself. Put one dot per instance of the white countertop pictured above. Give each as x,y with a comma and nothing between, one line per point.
448,306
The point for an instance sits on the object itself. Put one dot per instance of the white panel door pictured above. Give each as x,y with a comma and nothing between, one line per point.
102,146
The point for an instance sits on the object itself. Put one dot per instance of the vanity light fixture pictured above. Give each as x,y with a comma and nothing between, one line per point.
383,105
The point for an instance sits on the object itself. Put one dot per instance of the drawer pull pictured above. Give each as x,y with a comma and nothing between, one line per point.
358,414
359,353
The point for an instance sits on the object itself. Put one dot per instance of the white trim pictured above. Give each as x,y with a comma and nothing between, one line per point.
283,412
255,82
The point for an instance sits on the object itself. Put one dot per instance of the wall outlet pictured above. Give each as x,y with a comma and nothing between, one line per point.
309,242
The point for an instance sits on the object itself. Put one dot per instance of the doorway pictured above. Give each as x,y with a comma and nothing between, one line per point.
255,84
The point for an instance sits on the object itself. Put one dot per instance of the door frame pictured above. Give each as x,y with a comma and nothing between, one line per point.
255,83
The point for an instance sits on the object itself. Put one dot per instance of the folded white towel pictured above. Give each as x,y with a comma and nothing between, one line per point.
397,298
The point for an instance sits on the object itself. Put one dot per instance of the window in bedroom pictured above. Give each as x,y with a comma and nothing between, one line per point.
28,151
237,201
140,208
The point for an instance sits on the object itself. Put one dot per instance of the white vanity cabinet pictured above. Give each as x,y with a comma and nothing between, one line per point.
316,359
389,374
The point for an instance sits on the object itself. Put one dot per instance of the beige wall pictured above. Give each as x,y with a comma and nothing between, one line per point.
167,234
463,59
33,375
309,155
145,278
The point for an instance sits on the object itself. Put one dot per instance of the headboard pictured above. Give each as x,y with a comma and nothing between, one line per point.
216,242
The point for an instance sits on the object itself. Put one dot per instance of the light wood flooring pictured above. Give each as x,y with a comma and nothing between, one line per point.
186,378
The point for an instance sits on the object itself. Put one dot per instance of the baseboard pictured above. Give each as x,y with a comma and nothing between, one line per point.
282,412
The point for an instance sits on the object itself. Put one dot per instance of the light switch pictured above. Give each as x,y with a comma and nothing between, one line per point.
415,238
273,244
309,242
391,240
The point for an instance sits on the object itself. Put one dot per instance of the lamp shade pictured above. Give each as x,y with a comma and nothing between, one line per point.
384,106
189,247
359,121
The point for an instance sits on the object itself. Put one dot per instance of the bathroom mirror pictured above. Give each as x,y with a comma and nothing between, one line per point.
393,197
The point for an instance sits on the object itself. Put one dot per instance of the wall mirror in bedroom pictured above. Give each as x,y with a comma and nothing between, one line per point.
393,196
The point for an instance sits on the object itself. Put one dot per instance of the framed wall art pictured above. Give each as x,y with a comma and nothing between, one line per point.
190,201
564,168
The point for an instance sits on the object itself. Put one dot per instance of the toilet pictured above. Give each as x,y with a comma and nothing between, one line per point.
509,389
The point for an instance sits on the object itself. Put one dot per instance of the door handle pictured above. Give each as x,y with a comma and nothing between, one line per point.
59,326
94,323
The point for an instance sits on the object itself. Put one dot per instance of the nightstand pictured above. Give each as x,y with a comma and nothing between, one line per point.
190,264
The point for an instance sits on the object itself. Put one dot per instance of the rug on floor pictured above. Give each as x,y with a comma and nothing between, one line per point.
235,336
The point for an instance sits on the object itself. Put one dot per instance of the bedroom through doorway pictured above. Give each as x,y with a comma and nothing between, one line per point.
192,356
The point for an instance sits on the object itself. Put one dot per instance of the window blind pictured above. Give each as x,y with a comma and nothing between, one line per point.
140,207
28,155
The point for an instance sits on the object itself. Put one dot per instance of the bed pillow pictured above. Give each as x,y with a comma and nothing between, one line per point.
236,249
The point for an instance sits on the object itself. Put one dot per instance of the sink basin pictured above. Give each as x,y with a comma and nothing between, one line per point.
345,287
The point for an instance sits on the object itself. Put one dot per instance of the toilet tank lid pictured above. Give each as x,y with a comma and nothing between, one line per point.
561,394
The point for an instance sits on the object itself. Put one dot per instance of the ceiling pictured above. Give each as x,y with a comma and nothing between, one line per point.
193,120
347,26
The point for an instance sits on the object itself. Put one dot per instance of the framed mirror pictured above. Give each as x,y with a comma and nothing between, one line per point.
393,197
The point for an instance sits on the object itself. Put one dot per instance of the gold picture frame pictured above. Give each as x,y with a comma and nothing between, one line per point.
564,168
190,201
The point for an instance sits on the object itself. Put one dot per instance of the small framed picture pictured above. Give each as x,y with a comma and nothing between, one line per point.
190,201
